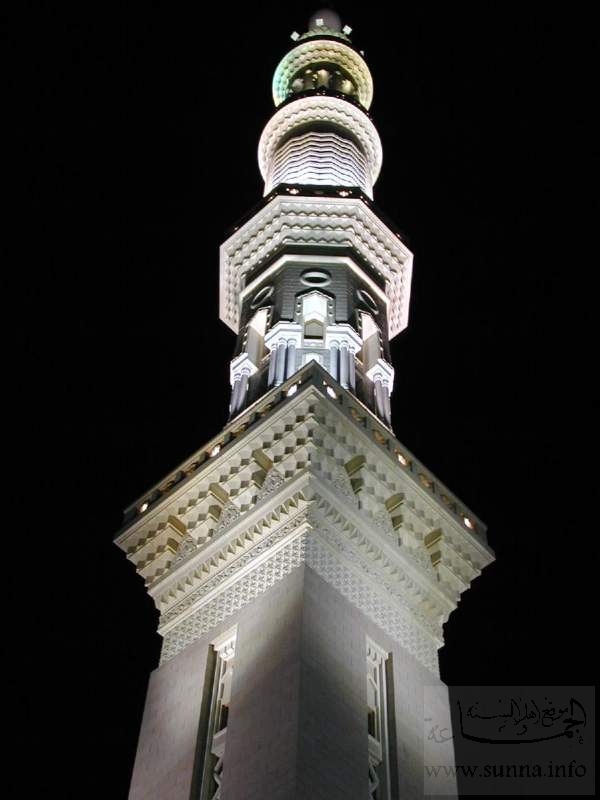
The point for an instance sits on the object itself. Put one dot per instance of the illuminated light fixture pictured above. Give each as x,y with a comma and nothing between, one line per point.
468,524
294,36
292,390
344,193
319,22
294,191
402,459
215,451
331,393
143,507
347,30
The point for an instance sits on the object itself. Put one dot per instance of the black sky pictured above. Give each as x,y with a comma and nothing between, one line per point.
146,129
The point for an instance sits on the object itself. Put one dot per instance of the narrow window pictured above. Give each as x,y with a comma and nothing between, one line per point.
221,661
378,722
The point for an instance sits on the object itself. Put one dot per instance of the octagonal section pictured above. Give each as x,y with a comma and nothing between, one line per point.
315,223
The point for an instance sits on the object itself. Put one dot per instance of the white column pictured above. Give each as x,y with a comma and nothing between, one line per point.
387,407
235,391
344,365
238,394
334,353
280,365
379,401
272,360
351,369
290,367
243,389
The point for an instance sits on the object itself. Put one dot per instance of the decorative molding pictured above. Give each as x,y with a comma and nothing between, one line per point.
301,471
224,644
305,548
313,109
319,158
314,51
316,221
271,483
186,548
241,593
389,617
231,571
229,515
373,564
341,480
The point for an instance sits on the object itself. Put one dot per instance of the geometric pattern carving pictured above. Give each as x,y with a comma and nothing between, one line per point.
225,574
396,589
388,616
399,550
308,110
316,221
186,548
229,514
312,52
271,483
307,548
322,158
237,596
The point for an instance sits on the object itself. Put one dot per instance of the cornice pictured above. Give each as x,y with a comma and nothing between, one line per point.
247,432
316,222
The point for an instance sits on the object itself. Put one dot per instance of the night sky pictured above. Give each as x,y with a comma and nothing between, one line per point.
147,126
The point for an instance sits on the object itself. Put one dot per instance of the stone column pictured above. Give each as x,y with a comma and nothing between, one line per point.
344,365
243,389
352,369
235,391
387,407
280,364
334,356
290,367
272,361
379,399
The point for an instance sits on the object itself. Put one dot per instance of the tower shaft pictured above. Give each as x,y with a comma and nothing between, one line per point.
304,561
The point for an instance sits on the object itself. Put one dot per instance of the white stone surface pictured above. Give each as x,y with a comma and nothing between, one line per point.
297,719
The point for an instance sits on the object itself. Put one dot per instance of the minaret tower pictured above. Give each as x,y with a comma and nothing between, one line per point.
303,561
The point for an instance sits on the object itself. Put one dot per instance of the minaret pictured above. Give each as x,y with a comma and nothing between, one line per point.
315,275
303,561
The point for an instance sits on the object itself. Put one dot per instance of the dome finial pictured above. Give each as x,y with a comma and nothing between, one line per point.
325,18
